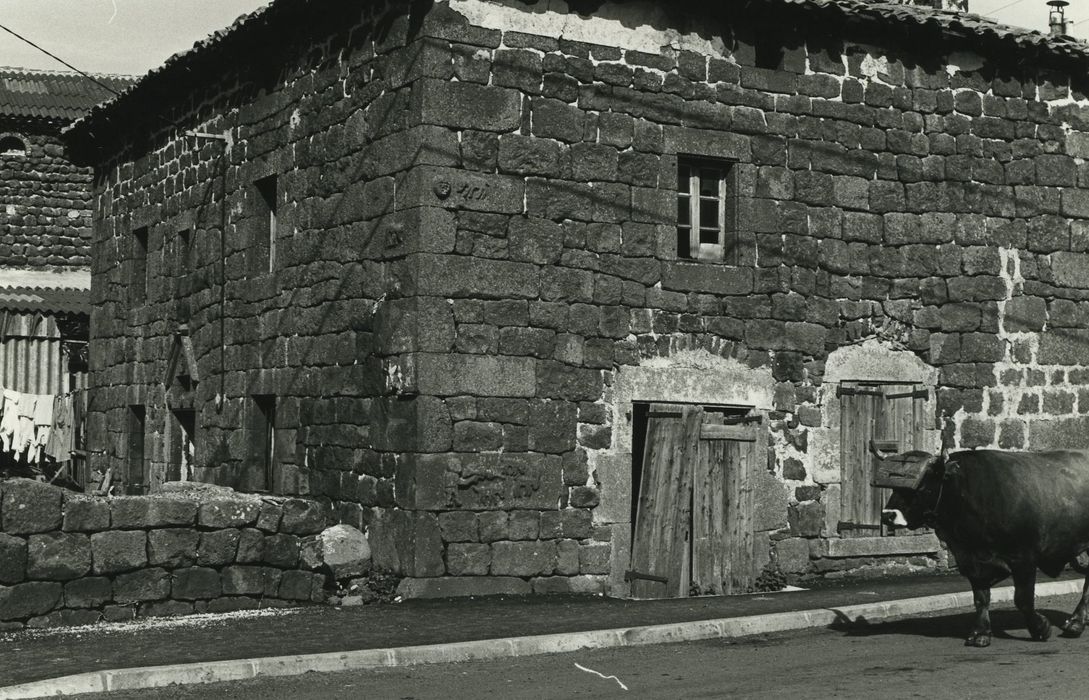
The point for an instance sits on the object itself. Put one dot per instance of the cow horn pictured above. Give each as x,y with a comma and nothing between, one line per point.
876,452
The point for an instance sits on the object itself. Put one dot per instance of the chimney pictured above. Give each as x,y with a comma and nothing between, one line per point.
1056,19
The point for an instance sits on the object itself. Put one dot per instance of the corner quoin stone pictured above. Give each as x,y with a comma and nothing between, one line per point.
478,375
468,105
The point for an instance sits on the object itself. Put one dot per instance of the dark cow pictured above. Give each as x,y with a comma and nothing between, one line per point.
1000,514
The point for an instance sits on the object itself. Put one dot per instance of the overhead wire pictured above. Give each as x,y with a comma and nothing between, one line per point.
90,77
1010,4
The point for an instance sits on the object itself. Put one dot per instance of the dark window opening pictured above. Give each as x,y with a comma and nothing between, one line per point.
262,431
138,274
12,146
264,238
707,210
136,466
185,251
183,445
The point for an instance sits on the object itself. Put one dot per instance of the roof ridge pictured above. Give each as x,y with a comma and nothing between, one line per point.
64,73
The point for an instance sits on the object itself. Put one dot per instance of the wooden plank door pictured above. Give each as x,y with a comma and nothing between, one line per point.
891,415
722,504
661,541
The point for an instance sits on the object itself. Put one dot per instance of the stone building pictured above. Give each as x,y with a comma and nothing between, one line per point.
45,232
608,298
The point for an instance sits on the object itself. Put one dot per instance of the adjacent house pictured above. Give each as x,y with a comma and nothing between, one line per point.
45,232
598,296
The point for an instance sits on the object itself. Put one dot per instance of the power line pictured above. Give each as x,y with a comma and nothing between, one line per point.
999,9
93,79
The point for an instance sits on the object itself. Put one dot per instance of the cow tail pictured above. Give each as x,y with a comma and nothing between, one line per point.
1081,563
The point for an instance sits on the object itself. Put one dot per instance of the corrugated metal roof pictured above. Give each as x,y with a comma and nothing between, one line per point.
968,27
48,299
53,95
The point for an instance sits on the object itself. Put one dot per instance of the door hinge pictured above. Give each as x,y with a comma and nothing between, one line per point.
844,526
637,576
855,391
923,394
738,420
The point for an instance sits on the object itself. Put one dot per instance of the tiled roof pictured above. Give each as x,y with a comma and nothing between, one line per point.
968,28
46,299
53,95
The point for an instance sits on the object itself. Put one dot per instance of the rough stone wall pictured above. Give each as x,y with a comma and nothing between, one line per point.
327,118
935,210
45,202
68,559
483,244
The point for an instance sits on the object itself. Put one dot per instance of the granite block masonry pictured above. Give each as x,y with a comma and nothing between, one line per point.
149,555
436,273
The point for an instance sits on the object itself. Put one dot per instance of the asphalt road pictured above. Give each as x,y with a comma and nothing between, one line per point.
915,658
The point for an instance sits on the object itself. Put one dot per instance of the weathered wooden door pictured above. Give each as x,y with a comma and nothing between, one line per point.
893,416
693,526
731,449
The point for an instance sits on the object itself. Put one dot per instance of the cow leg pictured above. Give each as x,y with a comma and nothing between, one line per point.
1075,624
981,631
1024,597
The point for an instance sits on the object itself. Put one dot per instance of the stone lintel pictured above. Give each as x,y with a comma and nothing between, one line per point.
881,546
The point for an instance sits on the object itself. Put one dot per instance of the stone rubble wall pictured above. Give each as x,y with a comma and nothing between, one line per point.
69,559
480,242
45,203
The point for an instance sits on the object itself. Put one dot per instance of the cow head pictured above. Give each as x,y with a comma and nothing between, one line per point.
917,480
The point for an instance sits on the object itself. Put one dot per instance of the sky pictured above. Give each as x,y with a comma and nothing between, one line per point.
133,36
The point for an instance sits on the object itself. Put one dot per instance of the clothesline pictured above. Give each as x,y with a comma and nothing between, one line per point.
37,424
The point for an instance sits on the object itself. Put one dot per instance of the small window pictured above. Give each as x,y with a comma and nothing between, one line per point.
12,146
184,249
262,430
707,210
135,476
138,274
183,445
264,239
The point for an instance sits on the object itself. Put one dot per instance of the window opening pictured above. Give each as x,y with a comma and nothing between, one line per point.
263,441
184,258
138,278
12,146
136,477
183,449
707,210
265,239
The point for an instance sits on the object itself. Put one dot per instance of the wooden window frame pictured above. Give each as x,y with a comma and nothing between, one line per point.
693,173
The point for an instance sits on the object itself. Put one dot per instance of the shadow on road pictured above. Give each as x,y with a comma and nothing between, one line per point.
1006,624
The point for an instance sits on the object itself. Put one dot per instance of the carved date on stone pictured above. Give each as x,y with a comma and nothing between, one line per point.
461,191
507,486
442,189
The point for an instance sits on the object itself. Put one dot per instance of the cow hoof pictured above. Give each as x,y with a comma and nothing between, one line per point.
1041,632
1073,627
978,640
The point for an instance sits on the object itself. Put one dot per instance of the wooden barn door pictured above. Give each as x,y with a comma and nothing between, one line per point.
892,415
693,525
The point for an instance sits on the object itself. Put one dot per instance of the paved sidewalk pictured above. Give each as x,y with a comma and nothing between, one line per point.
35,655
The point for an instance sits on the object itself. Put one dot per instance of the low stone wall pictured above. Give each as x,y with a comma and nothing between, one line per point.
68,559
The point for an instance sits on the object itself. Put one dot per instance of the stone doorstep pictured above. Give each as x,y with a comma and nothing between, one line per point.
880,546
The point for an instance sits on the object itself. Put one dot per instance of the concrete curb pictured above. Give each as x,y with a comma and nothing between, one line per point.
241,669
